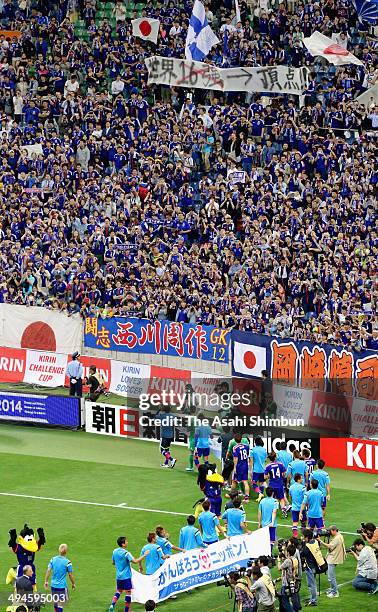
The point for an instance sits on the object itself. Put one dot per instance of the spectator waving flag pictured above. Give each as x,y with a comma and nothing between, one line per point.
320,45
200,38
367,10
146,28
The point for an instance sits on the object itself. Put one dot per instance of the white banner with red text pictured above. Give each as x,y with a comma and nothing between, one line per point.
200,566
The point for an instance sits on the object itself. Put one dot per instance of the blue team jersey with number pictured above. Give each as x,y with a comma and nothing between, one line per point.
276,472
241,451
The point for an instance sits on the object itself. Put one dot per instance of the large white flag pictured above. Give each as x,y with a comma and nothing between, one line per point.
320,45
200,38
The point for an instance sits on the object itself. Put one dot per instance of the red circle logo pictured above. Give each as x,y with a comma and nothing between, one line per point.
249,360
145,28
39,336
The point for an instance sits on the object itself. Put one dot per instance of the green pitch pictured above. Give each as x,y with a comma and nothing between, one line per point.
77,467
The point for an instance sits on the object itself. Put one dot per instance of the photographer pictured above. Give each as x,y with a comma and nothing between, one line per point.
367,569
290,582
313,563
243,595
336,556
265,591
369,532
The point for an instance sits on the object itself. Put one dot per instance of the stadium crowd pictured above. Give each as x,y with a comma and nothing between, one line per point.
122,203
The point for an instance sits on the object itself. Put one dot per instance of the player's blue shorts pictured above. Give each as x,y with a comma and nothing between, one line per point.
273,534
208,543
240,475
315,522
295,516
278,492
203,452
124,585
62,593
324,502
258,477
216,505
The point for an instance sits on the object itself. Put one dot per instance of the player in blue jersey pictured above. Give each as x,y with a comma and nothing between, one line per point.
202,437
190,536
235,520
122,560
324,483
267,514
297,466
257,458
284,456
310,463
240,455
297,492
163,540
155,557
209,524
60,568
313,502
167,434
275,474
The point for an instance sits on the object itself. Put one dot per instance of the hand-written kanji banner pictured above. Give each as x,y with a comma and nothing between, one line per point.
322,367
158,338
185,73
200,566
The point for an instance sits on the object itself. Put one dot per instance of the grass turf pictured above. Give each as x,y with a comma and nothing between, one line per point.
78,466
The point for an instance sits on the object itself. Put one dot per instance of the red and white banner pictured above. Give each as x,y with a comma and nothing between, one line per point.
38,328
169,381
12,364
350,454
45,369
330,411
129,379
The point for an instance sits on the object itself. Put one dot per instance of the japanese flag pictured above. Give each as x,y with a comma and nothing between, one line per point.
319,45
146,28
249,359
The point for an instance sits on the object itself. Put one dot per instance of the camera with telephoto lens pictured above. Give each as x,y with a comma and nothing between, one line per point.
322,533
363,529
351,549
226,581
282,546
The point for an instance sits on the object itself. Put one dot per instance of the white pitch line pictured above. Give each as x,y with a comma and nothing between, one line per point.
123,506
338,586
